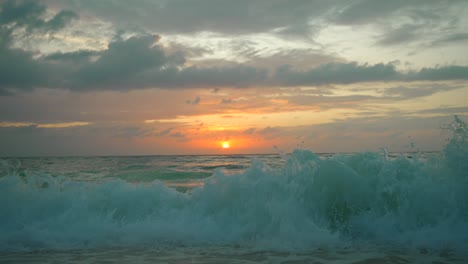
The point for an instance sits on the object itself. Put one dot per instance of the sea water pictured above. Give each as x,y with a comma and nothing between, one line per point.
295,208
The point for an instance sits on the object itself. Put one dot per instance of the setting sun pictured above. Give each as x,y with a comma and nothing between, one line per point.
225,145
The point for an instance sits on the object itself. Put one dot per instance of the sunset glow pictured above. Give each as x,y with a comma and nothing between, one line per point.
227,127
248,76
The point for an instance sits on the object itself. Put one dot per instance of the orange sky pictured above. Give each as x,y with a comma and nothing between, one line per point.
143,78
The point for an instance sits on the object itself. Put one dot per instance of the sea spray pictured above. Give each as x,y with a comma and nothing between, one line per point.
308,202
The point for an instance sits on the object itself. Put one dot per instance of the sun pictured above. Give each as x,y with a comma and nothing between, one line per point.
225,145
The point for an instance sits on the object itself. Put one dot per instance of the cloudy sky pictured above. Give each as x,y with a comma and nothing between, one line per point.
118,77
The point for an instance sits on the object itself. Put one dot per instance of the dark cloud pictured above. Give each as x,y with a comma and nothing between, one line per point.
177,135
423,19
18,69
271,132
367,11
194,101
401,35
226,16
445,110
85,141
164,132
133,63
284,18
328,102
137,63
337,73
131,132
302,58
394,133
451,38
356,101
140,62
59,20
347,73
451,72
36,141
121,61
169,76
180,137
188,51
360,12
226,101
229,76
76,56
250,131
419,91
28,14
427,33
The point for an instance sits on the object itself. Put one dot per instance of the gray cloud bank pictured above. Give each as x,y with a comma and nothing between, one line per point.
140,62
287,18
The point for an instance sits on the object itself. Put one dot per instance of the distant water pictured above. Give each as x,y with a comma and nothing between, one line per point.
301,207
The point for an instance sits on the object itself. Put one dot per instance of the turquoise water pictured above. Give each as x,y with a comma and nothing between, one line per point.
261,208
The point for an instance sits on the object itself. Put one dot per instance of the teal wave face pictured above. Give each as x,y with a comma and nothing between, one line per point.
162,175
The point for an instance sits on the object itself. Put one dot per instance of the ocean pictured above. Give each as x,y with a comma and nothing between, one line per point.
301,207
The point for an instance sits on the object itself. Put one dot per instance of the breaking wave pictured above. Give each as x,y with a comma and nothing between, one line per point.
311,201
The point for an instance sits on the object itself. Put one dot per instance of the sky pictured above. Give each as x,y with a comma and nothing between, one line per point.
168,77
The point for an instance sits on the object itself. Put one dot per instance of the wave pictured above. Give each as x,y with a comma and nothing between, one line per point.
162,175
310,202
224,166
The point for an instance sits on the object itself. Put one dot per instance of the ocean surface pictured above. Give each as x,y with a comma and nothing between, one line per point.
280,208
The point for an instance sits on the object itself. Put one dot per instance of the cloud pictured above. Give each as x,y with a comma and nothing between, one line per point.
302,58
194,101
226,101
348,73
136,63
404,22
418,91
367,11
121,61
250,131
18,69
132,63
445,110
226,16
398,21
451,38
451,72
164,132
75,57
426,33
28,14
271,132
36,141
229,76
328,102
139,62
177,135
360,12
132,132
401,35
336,73
360,97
